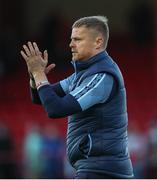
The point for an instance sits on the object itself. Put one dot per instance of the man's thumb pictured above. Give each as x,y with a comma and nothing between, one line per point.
49,68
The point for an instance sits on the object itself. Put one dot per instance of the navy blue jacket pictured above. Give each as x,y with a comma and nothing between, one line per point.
97,136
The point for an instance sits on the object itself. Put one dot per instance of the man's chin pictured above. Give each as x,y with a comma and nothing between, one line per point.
74,58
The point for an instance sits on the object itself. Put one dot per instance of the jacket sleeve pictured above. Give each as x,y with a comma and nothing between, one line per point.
57,106
93,90
55,87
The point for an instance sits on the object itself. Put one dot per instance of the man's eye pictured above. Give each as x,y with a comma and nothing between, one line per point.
77,39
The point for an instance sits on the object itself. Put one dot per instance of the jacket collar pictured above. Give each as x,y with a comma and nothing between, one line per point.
81,65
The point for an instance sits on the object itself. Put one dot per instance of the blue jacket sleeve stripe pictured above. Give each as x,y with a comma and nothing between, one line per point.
97,91
81,90
96,80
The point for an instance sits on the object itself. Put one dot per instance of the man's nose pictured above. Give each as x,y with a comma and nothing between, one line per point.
71,44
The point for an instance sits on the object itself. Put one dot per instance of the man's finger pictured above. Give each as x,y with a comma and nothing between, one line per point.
26,50
45,55
24,55
37,51
49,68
31,48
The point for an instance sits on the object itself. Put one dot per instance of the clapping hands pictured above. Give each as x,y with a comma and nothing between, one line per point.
36,60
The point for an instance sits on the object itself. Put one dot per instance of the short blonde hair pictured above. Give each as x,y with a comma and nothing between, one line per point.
97,23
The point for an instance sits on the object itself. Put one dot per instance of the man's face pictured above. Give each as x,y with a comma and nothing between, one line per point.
83,43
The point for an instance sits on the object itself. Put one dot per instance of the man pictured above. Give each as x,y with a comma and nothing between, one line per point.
93,97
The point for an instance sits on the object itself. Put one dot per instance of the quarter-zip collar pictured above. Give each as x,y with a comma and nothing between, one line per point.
80,65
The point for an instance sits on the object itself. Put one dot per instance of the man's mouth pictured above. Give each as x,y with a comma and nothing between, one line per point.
73,51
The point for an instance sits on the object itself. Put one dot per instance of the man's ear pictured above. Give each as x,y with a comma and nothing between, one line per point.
99,42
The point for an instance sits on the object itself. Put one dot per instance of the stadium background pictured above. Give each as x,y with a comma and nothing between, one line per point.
133,44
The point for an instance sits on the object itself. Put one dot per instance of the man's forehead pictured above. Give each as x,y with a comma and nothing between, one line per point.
78,31
82,32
